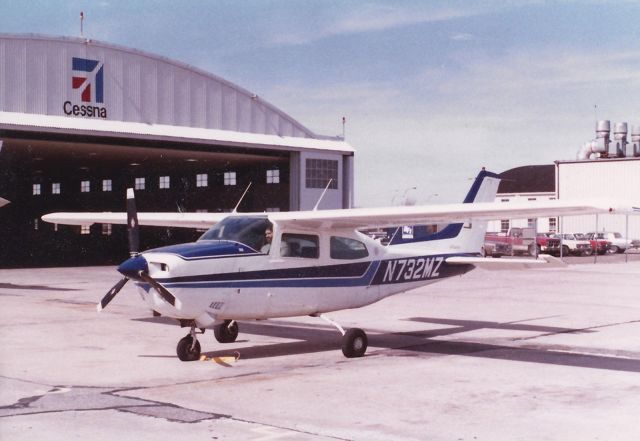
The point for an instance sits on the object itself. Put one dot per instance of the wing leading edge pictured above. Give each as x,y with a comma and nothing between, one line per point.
360,218
183,220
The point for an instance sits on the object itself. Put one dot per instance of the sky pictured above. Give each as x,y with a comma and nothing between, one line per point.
432,91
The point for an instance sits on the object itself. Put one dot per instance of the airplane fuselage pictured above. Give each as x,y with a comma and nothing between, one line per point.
222,279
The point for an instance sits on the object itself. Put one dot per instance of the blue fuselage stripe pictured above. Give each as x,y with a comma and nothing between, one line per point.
391,271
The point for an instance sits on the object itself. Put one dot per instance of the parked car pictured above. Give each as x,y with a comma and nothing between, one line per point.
619,243
547,243
575,244
515,241
497,249
598,245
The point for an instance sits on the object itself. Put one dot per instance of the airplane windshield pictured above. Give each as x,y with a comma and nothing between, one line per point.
246,230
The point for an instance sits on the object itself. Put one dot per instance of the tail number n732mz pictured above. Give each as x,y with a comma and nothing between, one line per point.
416,268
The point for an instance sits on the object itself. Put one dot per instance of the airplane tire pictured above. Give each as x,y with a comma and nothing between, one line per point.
354,343
184,351
226,332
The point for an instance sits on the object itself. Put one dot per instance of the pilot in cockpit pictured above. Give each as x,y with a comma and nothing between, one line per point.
268,237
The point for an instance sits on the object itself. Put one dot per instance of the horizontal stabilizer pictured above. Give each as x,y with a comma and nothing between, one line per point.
490,263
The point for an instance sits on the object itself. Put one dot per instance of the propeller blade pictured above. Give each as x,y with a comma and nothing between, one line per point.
132,224
164,293
111,294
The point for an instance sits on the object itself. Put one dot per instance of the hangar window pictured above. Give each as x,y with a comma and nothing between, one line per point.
531,223
139,184
37,189
106,185
85,229
553,224
504,226
320,171
230,178
106,229
35,224
55,188
164,182
85,186
273,176
202,180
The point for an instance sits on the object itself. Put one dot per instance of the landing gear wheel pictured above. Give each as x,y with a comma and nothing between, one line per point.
186,350
226,332
354,343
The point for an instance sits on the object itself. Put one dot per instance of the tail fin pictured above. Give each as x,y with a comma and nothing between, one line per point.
464,238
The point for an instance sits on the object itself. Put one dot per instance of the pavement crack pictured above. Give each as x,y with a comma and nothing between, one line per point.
83,399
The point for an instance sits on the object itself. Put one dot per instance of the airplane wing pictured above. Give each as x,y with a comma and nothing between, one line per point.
360,218
3,202
185,220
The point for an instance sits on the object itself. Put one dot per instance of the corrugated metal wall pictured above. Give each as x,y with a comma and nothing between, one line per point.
36,77
601,179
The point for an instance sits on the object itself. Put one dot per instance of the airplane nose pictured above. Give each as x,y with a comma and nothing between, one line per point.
131,267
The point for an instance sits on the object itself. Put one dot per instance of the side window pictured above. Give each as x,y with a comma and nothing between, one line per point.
299,245
345,248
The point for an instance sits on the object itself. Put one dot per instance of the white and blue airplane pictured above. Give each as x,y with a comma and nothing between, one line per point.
255,266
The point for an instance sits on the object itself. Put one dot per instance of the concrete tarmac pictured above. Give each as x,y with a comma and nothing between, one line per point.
545,354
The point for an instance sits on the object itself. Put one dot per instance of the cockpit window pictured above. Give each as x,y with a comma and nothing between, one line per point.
248,231
345,248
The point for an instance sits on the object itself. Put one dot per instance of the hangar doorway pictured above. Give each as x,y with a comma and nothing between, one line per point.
54,172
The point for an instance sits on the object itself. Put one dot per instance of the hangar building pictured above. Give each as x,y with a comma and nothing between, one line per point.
81,121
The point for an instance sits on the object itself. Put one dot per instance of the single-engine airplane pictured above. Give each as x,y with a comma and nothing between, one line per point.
309,262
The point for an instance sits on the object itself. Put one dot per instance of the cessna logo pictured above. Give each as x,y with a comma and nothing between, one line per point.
88,79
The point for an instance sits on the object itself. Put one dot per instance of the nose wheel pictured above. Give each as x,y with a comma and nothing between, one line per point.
188,348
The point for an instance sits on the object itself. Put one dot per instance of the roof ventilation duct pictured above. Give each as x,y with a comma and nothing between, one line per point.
620,139
603,128
635,140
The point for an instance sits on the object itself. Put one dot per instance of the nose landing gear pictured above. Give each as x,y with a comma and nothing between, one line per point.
188,348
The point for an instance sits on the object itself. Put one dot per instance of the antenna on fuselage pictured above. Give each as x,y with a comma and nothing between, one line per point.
235,210
322,195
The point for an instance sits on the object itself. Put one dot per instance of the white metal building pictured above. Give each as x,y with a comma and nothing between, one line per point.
613,178
598,173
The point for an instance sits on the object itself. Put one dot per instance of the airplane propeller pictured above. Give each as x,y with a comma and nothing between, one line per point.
135,265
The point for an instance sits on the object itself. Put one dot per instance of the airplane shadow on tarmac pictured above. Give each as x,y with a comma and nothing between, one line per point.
416,343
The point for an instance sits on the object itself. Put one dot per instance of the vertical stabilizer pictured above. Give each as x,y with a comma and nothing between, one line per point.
463,238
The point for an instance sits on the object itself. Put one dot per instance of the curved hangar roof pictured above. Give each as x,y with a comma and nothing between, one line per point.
70,84
528,179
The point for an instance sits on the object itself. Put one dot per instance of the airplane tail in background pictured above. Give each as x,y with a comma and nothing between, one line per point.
460,238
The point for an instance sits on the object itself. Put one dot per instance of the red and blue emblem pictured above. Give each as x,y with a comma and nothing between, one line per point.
88,73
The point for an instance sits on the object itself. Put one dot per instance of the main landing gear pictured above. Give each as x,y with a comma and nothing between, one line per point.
188,348
354,340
